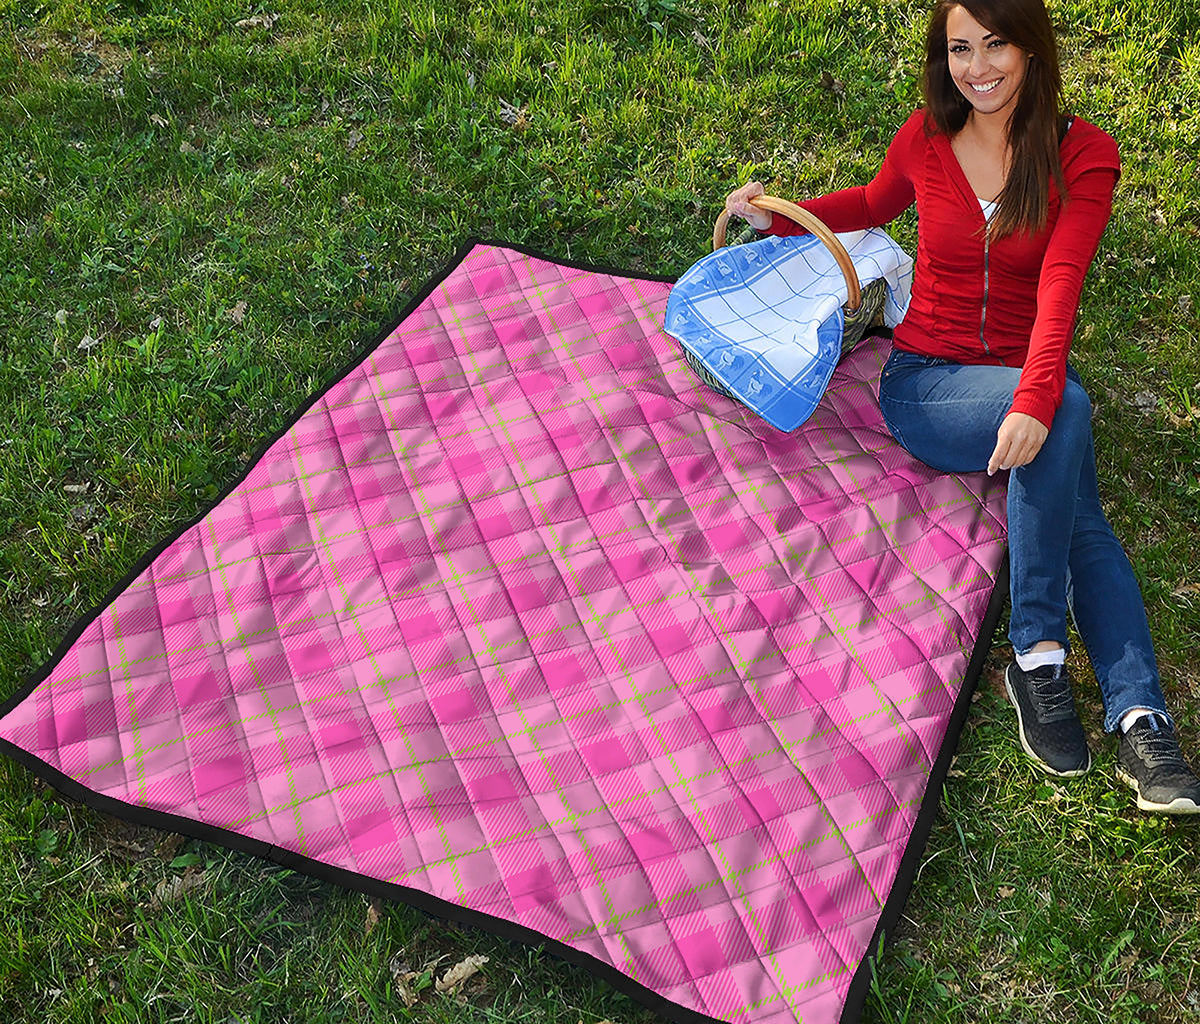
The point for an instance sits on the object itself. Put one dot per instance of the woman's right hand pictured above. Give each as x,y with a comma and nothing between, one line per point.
737,203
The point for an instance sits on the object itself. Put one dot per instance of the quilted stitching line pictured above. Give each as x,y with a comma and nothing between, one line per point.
667,788
546,523
712,844
240,639
284,627
345,605
486,313
837,628
849,469
135,726
899,724
786,990
785,477
458,579
807,844
511,837
386,681
434,536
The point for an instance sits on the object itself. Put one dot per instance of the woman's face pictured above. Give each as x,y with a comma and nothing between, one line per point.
987,69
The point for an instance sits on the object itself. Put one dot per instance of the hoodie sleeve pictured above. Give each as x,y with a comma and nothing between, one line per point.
1091,176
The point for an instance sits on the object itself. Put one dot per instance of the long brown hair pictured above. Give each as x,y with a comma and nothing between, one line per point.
1037,123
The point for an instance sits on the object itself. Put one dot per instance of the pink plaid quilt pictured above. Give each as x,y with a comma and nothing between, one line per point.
519,622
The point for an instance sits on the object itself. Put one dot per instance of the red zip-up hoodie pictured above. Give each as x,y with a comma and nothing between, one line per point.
1009,302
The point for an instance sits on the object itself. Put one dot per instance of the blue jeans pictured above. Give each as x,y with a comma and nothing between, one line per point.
1062,551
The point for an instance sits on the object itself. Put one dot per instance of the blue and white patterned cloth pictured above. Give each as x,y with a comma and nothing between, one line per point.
766,318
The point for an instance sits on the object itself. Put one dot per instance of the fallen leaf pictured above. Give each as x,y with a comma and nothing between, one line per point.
460,972
257,21
1005,891
170,889
159,120
355,138
60,317
374,910
407,993
403,975
87,341
169,846
186,147
238,313
156,323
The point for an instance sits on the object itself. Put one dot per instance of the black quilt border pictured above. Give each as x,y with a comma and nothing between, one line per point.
894,905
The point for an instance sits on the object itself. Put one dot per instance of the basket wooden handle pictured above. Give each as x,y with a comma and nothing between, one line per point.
816,226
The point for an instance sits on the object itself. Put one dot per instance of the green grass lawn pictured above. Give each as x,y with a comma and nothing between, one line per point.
199,221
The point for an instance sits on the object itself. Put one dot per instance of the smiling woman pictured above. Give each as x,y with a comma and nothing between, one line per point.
1012,198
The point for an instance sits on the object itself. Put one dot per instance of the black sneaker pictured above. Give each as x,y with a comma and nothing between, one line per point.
1149,760
1051,732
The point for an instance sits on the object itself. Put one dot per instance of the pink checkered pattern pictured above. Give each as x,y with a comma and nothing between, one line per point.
521,615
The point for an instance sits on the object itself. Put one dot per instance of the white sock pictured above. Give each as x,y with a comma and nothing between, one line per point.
1130,717
1036,659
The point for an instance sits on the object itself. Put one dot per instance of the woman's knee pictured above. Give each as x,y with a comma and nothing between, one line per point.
1076,404
1073,421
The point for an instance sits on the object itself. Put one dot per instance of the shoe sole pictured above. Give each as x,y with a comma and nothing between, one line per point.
1072,773
1180,805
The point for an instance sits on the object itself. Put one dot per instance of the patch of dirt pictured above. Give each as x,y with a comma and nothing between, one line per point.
85,55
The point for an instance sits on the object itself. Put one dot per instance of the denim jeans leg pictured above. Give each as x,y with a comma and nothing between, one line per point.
1109,612
947,415
1042,497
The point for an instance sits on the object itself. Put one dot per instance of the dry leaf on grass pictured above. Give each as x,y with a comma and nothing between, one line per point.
374,912
238,313
460,972
170,889
407,993
169,846
406,980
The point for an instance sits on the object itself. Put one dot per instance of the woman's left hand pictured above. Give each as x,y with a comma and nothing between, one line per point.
1018,441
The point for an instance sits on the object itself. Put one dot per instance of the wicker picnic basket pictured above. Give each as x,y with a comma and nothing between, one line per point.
863,309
